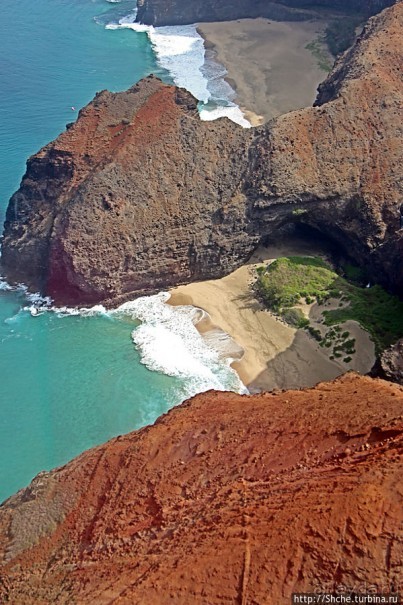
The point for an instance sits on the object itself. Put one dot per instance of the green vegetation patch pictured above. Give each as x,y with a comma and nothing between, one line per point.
356,275
316,47
315,333
299,212
287,280
295,317
380,313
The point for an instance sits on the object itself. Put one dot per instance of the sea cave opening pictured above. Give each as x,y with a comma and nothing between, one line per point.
306,240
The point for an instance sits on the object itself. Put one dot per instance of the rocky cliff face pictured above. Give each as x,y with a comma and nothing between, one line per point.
140,194
390,363
339,163
226,499
179,12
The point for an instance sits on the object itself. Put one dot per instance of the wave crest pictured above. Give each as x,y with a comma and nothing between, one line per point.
180,51
168,342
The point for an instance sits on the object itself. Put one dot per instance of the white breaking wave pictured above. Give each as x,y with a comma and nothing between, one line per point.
180,51
68,311
168,342
166,339
39,304
4,285
233,112
35,298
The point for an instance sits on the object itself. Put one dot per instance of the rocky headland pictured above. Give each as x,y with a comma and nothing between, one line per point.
139,194
226,499
179,12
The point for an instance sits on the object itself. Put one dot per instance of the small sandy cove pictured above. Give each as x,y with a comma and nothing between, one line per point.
276,356
268,63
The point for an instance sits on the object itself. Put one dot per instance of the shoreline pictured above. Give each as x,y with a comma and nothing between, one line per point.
267,62
276,355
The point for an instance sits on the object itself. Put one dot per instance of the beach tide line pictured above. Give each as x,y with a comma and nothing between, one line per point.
166,338
169,343
181,52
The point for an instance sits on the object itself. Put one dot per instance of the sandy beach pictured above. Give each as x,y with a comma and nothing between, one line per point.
267,63
276,356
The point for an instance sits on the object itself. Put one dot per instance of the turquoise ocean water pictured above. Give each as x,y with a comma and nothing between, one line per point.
69,381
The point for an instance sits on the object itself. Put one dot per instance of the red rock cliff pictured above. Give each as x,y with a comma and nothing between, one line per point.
226,499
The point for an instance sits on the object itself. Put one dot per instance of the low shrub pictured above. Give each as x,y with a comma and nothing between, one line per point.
295,318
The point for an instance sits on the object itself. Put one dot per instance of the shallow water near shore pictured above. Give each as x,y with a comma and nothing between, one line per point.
71,381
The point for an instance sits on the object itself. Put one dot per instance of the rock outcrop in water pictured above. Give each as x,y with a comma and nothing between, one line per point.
226,499
139,194
179,12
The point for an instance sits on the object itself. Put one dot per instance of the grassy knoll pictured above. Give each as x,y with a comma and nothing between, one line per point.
287,281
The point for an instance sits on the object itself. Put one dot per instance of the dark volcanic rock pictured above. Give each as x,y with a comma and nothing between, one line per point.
226,499
390,363
178,12
340,162
140,194
137,195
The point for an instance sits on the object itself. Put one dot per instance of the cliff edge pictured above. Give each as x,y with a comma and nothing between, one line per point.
226,499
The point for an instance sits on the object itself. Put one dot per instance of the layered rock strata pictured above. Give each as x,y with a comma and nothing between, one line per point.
139,194
179,12
226,499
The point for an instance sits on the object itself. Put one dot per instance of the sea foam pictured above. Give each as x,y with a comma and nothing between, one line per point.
4,285
168,342
231,111
180,51
166,338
